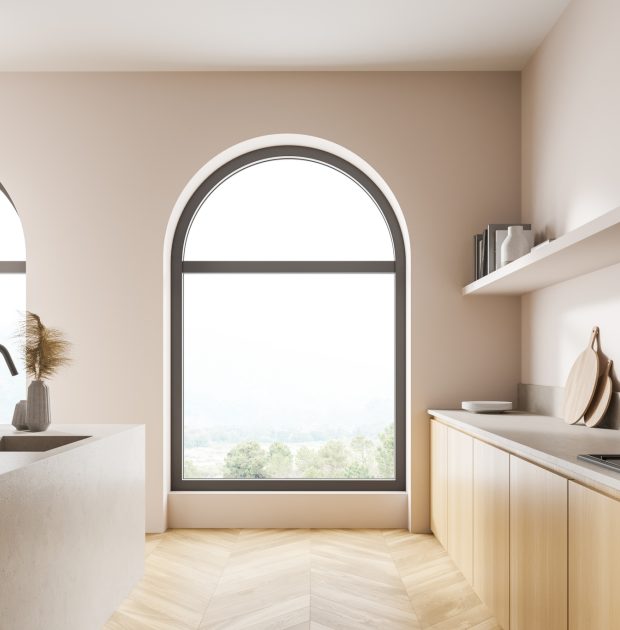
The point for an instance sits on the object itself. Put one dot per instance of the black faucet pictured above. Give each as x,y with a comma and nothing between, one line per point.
9,360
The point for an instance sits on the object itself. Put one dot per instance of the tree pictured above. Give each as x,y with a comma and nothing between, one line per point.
362,463
385,453
191,470
356,470
246,460
333,459
363,451
307,463
279,461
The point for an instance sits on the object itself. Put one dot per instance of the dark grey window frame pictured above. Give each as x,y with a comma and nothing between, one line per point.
179,267
11,266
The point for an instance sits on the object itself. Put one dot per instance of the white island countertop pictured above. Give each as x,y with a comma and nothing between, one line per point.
72,523
543,440
14,460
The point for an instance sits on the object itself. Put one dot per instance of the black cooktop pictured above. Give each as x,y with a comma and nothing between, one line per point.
609,461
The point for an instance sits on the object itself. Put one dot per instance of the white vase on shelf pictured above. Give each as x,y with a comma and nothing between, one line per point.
515,245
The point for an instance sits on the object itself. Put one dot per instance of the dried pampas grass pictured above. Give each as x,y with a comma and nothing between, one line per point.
45,349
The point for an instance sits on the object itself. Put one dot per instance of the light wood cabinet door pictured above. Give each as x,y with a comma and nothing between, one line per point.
491,531
594,560
460,501
439,481
538,548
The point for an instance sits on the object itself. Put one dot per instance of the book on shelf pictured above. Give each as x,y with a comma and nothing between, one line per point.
477,252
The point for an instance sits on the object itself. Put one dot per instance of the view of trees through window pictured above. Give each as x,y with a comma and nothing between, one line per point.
360,457
288,374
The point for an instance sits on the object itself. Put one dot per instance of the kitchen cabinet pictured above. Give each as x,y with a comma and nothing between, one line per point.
538,548
594,557
460,501
541,548
491,541
439,481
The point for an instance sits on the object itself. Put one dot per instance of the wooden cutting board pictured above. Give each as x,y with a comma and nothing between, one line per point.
602,397
581,382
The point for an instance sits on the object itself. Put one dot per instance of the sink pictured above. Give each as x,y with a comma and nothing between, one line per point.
36,443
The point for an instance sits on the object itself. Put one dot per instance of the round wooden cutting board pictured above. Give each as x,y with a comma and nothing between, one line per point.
602,397
581,382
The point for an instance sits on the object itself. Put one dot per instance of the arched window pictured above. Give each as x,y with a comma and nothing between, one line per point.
12,302
288,329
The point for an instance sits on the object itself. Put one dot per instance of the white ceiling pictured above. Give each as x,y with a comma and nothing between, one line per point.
272,34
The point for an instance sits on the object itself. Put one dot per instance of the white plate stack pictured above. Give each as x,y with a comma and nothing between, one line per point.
486,406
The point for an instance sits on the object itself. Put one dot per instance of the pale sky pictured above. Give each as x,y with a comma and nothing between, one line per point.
289,209
289,350
284,350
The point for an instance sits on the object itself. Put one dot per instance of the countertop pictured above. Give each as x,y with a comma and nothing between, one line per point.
10,461
543,440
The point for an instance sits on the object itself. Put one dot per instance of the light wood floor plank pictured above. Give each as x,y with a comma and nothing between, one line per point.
152,540
265,579
339,615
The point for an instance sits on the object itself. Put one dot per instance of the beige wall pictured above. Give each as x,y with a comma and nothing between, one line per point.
95,163
571,161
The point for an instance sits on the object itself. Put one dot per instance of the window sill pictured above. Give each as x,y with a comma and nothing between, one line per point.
282,509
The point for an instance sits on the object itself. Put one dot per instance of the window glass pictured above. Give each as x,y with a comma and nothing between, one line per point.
12,244
288,376
289,209
12,307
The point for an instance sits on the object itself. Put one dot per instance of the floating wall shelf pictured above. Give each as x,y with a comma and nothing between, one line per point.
592,246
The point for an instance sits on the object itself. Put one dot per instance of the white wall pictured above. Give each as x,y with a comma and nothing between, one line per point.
95,163
571,166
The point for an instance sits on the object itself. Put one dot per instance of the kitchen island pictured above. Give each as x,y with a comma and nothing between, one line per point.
71,524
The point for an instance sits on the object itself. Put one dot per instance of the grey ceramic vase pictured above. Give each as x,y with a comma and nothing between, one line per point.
19,416
38,407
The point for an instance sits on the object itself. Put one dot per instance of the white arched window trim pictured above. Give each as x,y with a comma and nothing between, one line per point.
394,219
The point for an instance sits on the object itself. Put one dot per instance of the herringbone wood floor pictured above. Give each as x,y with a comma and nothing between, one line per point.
293,579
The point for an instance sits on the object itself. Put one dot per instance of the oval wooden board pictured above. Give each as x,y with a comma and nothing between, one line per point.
581,382
602,397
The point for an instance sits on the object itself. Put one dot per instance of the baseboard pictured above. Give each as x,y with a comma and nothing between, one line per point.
342,510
